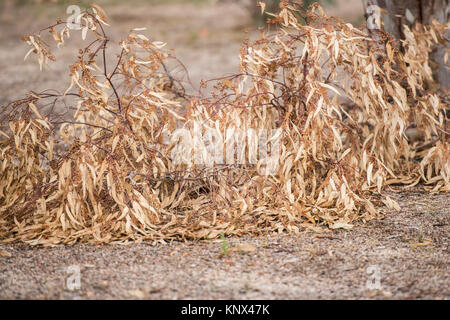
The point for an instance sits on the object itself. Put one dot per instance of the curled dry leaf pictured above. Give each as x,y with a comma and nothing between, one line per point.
243,248
5,254
421,244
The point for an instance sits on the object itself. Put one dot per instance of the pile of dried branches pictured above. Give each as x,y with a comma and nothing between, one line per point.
106,166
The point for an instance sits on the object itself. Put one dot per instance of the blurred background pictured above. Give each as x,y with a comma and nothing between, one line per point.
204,34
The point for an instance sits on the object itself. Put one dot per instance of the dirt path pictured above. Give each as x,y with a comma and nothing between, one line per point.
206,38
409,249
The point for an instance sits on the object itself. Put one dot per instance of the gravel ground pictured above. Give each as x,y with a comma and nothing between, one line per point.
409,251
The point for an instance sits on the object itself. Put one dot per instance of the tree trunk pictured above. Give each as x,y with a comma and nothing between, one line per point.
420,11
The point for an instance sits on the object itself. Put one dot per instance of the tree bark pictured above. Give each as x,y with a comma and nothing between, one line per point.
420,11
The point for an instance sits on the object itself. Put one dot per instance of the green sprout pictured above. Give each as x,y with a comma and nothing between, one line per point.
224,243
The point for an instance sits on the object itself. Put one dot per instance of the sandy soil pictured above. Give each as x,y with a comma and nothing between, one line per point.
410,250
